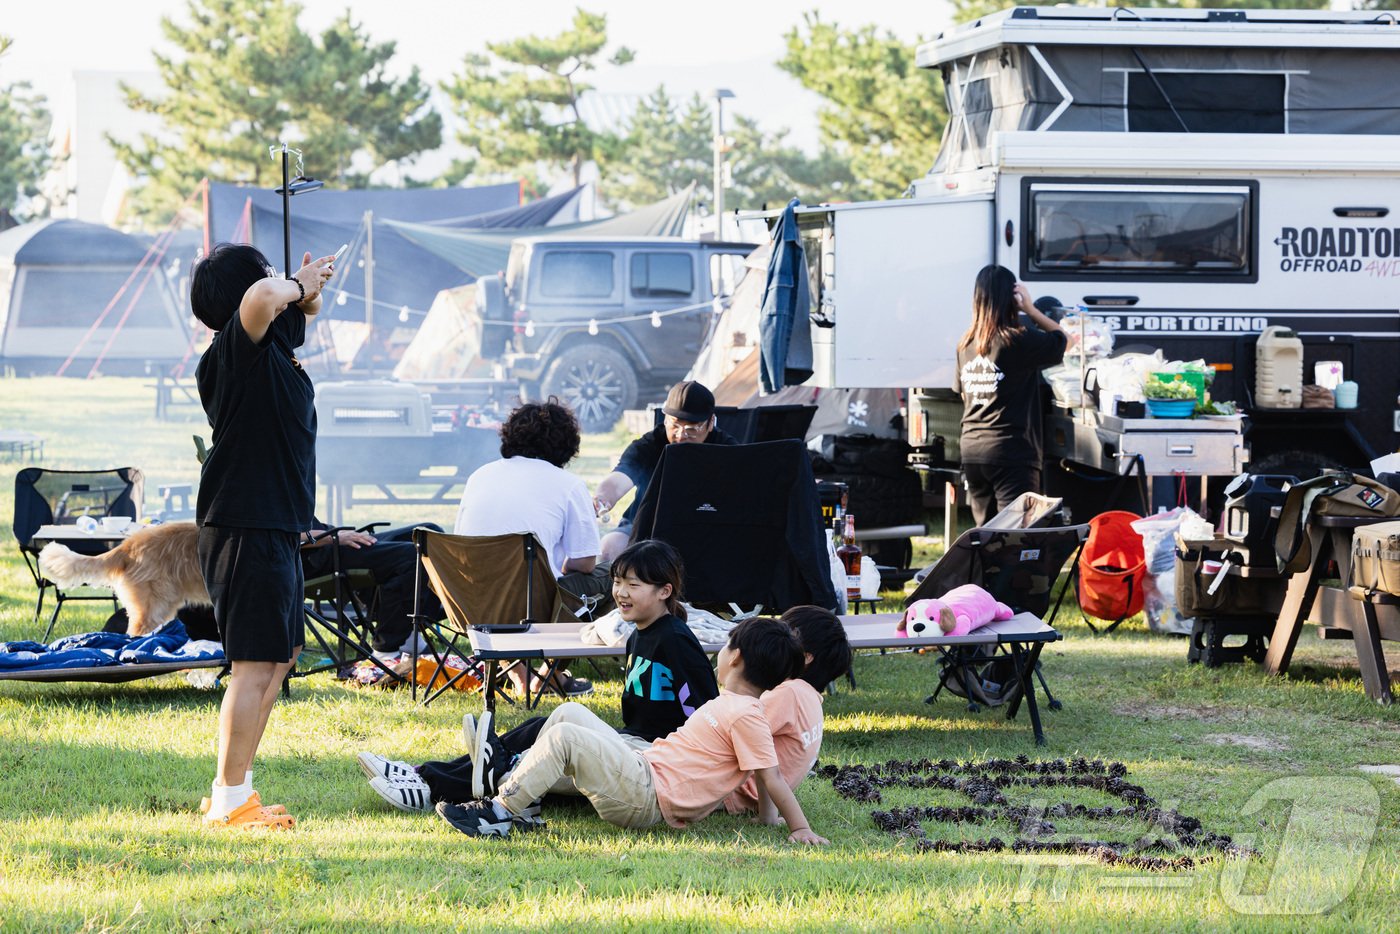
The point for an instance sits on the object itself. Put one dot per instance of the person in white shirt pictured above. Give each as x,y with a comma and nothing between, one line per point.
529,490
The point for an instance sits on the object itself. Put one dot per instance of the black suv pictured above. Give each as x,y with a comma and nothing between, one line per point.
603,323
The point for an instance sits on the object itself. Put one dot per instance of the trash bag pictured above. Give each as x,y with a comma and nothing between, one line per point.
1159,550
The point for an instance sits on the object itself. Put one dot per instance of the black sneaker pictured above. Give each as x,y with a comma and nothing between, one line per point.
478,819
489,760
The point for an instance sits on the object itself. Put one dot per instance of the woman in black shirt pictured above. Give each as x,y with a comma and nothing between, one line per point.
998,375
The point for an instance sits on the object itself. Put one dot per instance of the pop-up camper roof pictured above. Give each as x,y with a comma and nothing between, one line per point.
1054,69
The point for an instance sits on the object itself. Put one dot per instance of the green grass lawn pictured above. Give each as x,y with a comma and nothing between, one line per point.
99,784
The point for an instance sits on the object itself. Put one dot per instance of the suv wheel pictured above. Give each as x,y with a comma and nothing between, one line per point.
596,381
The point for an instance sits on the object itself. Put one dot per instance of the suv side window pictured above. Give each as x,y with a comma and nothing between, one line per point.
576,274
662,275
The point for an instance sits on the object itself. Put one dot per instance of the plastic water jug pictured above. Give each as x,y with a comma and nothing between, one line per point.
1278,369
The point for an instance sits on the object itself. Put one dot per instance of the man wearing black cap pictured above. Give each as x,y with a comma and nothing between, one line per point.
690,419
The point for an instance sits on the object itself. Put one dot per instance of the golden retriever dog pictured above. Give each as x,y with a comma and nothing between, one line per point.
154,573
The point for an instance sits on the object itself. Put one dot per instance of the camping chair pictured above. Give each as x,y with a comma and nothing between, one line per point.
746,521
336,617
59,497
1017,562
498,583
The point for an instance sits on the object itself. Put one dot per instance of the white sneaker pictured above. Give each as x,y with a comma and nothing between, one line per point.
377,766
404,794
407,647
469,732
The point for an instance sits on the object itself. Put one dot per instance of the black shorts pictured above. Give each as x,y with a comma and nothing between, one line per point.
255,583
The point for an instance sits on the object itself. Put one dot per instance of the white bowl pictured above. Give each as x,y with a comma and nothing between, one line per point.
115,523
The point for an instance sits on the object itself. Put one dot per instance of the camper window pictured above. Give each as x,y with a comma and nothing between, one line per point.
1195,231
662,275
576,274
1208,102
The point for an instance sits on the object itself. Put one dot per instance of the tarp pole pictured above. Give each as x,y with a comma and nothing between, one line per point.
204,192
369,288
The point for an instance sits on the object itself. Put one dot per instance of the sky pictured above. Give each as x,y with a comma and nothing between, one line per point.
689,47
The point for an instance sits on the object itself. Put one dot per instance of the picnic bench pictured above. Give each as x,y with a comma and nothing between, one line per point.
1338,613
17,444
173,392
1024,635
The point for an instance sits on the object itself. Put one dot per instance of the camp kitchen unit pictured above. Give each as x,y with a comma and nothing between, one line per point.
1190,176
412,442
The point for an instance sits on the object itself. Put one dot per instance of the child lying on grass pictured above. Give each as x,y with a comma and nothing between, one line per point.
682,777
668,678
794,708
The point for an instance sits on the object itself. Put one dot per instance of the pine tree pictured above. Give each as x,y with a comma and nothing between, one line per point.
245,77
520,104
24,141
882,112
667,148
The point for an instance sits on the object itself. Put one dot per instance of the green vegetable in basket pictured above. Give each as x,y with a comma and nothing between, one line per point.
1214,408
1154,388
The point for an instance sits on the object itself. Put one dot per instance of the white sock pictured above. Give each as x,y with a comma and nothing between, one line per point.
501,811
225,799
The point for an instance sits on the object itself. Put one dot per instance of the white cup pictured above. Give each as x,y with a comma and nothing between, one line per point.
115,523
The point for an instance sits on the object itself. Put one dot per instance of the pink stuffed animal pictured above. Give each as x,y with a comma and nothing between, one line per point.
961,610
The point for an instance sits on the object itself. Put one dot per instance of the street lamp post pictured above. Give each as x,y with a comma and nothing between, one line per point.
720,95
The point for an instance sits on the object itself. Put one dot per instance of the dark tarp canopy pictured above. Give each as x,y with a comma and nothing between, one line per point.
226,204
483,253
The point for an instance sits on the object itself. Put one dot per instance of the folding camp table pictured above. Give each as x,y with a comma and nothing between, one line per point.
1024,635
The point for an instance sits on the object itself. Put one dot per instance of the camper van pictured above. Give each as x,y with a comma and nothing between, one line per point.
1191,177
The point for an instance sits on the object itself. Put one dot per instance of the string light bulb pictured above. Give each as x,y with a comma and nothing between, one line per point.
530,328
360,263
656,319
592,327
403,314
341,298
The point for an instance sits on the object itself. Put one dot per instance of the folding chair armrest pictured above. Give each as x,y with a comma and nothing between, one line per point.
369,529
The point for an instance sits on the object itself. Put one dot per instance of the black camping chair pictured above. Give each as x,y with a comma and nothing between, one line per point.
746,521
1017,558
336,617
60,497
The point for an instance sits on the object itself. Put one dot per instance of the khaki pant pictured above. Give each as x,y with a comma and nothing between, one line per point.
606,768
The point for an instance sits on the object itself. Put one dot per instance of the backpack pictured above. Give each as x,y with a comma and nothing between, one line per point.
991,675
1335,493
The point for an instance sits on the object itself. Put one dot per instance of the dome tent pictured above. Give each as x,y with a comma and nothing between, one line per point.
57,277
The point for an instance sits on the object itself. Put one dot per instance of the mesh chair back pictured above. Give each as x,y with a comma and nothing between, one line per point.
487,580
746,521
1019,567
59,497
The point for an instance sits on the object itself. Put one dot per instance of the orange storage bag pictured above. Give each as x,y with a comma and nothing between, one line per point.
1111,568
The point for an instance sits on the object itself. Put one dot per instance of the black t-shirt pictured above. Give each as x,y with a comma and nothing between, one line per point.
638,461
1001,396
668,678
261,468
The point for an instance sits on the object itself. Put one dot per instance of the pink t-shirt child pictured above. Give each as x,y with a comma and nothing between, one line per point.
794,711
721,744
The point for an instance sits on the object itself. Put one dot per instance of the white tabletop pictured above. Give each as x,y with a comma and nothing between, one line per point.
71,533
873,631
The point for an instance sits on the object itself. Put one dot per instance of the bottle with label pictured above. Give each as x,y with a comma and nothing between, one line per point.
849,553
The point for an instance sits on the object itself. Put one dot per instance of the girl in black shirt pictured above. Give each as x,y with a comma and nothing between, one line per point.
998,374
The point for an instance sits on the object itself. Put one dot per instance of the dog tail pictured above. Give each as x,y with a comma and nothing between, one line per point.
66,568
